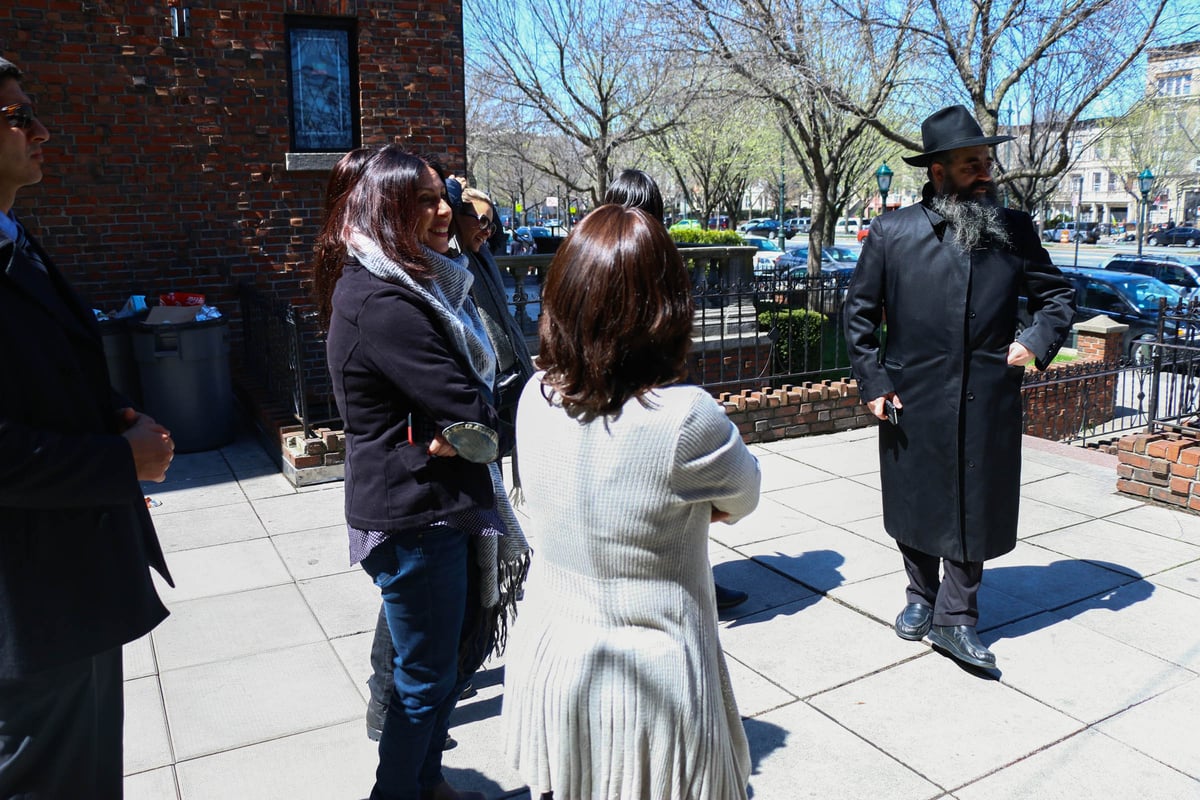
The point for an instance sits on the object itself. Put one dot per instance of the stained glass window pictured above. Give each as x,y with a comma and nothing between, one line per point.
324,85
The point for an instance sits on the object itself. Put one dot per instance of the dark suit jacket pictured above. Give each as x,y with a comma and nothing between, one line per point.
951,470
76,539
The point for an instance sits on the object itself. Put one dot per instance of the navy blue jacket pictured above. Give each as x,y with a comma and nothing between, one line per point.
76,539
390,359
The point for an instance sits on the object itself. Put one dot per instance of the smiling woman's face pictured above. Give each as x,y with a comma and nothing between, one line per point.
433,221
476,236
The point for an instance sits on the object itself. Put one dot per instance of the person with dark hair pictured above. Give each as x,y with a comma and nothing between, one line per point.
76,539
623,467
329,250
633,188
426,513
472,224
947,274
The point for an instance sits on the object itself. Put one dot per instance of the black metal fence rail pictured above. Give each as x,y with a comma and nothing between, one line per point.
1174,397
1078,403
750,332
276,339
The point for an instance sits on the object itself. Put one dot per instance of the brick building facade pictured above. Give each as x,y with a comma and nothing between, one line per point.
171,164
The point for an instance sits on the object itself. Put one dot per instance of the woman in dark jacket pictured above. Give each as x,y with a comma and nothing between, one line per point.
412,373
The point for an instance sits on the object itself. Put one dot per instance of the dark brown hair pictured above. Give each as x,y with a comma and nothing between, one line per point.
382,203
633,188
330,248
616,312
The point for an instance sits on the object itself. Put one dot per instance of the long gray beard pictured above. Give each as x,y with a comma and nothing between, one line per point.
974,224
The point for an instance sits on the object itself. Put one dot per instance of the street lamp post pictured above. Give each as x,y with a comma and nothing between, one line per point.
782,197
1145,184
1078,211
883,178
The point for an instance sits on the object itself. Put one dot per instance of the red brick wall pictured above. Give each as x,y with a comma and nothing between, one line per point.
1161,466
768,415
166,164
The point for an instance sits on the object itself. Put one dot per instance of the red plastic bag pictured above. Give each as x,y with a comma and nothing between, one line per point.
181,299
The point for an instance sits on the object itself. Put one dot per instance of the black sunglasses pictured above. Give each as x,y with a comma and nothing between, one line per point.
19,115
483,221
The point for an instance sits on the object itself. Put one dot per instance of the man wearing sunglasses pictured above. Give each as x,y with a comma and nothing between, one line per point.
76,540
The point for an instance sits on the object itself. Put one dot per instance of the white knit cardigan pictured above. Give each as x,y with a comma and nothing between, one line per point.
615,684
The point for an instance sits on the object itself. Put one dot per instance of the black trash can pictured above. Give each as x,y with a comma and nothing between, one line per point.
118,352
186,386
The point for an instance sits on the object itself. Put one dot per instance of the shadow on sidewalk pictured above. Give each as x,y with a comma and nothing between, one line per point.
1066,587
764,739
816,571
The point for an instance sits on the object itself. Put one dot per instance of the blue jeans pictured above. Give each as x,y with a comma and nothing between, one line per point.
426,579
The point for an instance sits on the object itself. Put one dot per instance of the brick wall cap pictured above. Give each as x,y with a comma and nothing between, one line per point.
1101,325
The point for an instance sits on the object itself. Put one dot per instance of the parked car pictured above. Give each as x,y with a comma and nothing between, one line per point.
848,225
837,263
750,223
1189,237
544,240
767,227
718,223
796,225
685,224
1088,232
1181,273
863,232
1123,297
768,253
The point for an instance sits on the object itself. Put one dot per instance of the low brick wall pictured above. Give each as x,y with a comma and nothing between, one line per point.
767,415
1161,466
1053,402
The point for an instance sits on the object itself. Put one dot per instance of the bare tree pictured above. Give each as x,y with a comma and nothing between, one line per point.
1158,133
713,150
1051,59
593,73
811,61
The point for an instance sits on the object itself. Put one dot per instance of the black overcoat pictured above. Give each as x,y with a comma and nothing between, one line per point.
76,540
950,470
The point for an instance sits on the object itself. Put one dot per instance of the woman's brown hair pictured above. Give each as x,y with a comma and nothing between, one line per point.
330,249
616,312
381,200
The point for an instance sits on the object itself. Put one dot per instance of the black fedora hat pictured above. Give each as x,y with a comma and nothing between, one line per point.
949,129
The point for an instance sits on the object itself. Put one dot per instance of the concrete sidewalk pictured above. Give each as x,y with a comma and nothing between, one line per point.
254,688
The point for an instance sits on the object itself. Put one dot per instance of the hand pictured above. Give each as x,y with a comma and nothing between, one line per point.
1019,355
126,417
876,406
718,515
441,448
151,444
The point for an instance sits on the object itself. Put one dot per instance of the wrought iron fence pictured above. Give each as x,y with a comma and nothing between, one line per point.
276,337
749,331
1155,386
1174,360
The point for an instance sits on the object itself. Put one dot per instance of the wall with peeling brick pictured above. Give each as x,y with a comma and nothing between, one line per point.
767,415
1161,466
166,167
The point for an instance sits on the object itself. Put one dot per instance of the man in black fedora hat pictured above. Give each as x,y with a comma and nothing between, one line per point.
943,277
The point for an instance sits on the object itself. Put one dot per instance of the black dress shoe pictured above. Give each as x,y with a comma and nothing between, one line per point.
914,621
961,642
729,598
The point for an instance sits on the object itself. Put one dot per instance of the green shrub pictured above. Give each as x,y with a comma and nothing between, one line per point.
688,236
798,340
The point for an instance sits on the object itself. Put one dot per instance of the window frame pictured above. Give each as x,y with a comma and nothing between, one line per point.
300,140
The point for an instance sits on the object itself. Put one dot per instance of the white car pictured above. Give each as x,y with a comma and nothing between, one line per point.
768,253
750,223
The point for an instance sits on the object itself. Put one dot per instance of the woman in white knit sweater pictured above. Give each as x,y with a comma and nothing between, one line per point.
615,686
